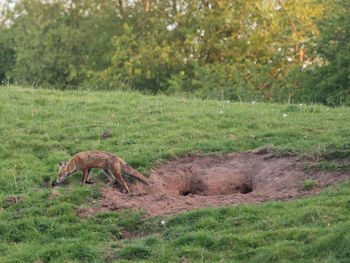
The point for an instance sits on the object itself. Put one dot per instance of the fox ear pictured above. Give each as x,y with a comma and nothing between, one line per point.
62,163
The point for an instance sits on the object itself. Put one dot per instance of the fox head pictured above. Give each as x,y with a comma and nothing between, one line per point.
64,171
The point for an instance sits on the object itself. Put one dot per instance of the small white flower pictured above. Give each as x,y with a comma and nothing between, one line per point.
162,222
300,104
221,112
253,102
284,115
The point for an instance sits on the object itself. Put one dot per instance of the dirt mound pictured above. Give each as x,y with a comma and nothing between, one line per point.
217,180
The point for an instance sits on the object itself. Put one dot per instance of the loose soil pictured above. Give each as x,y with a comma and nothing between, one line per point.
219,180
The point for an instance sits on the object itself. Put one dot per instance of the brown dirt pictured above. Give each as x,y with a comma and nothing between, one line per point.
11,199
54,194
83,211
218,180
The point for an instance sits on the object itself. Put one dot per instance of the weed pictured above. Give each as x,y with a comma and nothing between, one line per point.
308,184
134,252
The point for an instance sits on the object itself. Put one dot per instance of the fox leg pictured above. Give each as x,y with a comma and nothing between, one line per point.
85,175
116,171
88,175
110,177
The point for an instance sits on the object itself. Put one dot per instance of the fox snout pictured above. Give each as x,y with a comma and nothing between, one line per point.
62,173
60,179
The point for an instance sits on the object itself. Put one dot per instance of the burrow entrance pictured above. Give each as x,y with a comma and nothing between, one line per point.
223,182
217,180
207,176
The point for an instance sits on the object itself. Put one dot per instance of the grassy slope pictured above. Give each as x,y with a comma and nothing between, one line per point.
40,127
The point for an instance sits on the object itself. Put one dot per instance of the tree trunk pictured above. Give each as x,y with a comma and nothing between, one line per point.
121,6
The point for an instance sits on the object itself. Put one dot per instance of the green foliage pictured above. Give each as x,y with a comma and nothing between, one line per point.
308,184
55,42
327,80
134,252
7,54
74,251
241,51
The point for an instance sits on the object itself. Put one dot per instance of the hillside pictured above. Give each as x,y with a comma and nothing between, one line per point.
40,127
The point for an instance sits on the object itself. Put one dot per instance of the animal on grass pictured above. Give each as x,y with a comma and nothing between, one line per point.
112,167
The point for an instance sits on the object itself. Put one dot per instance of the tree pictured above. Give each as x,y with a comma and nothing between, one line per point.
7,54
327,80
61,42
223,49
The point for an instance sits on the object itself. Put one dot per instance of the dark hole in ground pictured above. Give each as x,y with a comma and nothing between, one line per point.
185,193
205,184
246,189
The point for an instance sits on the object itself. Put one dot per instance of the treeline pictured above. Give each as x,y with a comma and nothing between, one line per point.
278,50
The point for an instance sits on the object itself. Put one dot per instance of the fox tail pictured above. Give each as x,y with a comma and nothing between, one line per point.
132,172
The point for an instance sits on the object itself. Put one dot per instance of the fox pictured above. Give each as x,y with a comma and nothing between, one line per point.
112,167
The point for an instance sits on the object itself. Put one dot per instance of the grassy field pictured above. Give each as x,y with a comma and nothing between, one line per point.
39,127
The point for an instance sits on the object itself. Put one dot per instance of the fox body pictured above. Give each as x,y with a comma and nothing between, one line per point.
111,165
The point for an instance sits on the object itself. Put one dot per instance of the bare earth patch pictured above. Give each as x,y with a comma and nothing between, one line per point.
218,180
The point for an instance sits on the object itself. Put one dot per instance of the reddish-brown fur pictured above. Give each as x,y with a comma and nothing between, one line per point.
111,165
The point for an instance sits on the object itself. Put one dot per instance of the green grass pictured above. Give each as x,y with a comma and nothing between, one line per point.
39,127
309,184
